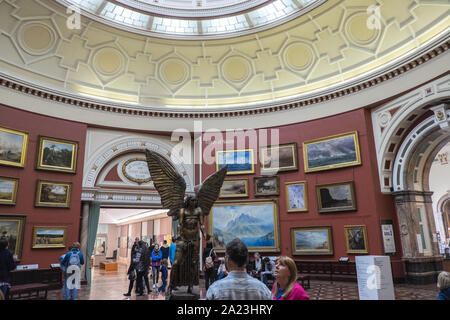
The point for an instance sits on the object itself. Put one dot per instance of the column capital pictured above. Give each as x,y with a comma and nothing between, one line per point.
413,196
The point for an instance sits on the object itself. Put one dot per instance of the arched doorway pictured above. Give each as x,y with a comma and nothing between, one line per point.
409,133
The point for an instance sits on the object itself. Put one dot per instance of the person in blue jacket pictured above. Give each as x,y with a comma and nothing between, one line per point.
164,274
444,286
72,258
172,250
63,271
156,264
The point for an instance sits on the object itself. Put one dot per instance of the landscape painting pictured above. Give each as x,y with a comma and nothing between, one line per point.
238,161
267,186
254,222
53,194
336,197
296,196
356,239
279,158
234,189
13,147
8,190
312,241
12,230
57,155
49,237
332,152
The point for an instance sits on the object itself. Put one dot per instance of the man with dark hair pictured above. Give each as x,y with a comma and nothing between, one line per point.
238,285
7,264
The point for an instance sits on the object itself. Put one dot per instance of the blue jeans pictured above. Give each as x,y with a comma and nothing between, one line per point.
71,294
5,291
155,273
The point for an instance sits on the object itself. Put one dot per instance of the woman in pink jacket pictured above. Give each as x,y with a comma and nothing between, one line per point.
286,286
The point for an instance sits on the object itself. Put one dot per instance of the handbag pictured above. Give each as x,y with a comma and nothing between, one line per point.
132,275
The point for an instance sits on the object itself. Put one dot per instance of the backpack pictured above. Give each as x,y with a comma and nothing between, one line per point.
74,259
209,263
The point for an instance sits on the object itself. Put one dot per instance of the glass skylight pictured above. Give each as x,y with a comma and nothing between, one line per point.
192,26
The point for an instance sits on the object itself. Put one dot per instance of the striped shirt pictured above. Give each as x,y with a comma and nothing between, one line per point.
238,285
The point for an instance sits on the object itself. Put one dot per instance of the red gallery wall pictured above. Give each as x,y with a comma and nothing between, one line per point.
372,205
36,125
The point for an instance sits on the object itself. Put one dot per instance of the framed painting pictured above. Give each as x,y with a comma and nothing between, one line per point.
338,151
53,194
13,147
336,197
356,239
254,222
8,190
238,161
279,158
234,189
12,229
296,196
49,237
57,155
312,240
267,186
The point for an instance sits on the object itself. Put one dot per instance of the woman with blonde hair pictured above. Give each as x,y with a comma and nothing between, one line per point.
286,286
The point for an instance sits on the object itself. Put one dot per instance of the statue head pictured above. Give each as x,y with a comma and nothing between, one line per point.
191,202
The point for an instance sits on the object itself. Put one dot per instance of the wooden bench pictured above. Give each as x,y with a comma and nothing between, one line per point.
327,270
108,266
304,278
28,291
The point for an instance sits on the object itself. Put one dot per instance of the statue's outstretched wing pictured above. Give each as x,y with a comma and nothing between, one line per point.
210,190
168,182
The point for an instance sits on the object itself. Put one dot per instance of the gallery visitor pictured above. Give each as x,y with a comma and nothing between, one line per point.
7,264
444,285
286,286
156,264
238,285
172,249
209,256
63,271
165,250
267,271
72,258
164,274
222,270
256,265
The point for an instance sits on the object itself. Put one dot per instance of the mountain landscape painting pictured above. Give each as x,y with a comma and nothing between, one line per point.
334,152
253,223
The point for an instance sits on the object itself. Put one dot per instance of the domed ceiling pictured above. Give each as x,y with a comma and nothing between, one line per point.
335,45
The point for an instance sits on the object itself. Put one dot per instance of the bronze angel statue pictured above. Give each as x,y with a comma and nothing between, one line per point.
190,213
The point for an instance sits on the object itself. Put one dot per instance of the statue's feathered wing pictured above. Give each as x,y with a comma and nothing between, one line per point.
168,182
210,190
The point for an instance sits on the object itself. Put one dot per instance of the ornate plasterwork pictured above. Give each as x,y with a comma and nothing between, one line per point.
393,121
309,60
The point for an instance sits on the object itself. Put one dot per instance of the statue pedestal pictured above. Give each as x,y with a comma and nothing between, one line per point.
182,294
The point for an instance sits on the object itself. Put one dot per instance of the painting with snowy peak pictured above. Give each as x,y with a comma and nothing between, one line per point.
253,223
335,152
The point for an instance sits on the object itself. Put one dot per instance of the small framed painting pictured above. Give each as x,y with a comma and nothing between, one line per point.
337,151
296,196
49,237
12,229
13,147
234,189
267,186
57,155
312,240
336,197
8,190
279,158
238,161
53,194
356,239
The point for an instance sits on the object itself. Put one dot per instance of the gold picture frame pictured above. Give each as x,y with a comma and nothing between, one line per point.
294,203
49,237
318,153
287,158
53,194
240,189
12,227
315,240
234,167
260,216
57,155
8,190
354,241
336,197
13,147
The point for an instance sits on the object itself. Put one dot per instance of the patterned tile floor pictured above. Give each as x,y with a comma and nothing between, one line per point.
112,286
